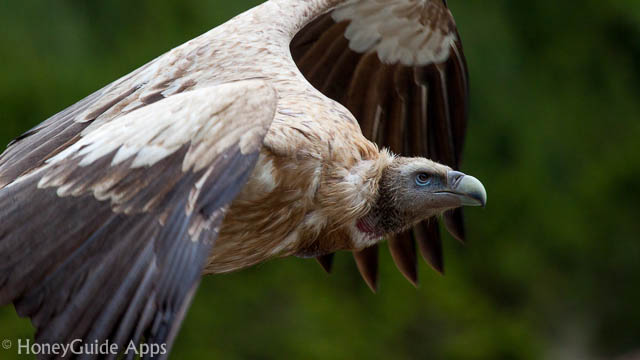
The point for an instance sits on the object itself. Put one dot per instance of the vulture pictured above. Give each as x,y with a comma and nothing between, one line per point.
299,127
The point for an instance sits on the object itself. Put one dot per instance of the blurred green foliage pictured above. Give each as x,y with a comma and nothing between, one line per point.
553,267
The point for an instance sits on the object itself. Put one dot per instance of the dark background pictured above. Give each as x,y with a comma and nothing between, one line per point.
552,268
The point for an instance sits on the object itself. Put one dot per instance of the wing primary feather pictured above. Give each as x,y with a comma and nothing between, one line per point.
26,304
354,101
403,252
367,262
106,275
326,261
309,63
340,75
454,222
439,120
145,320
400,110
378,100
177,320
430,244
133,313
333,46
103,325
458,81
418,136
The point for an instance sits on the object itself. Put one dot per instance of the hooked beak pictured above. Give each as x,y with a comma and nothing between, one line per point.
466,188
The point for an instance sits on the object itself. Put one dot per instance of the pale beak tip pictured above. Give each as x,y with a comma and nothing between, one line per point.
470,189
476,195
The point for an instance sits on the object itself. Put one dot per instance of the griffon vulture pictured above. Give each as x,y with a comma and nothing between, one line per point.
277,133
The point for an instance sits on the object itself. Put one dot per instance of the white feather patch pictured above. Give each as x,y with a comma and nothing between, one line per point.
200,118
412,32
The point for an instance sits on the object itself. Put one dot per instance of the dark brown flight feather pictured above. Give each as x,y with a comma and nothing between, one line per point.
403,252
430,244
367,262
326,261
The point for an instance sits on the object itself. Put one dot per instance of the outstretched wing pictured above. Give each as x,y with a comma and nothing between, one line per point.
107,239
398,66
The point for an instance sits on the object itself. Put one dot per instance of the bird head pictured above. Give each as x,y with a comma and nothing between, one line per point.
414,189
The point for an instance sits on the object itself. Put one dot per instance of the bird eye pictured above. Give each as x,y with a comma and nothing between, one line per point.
423,179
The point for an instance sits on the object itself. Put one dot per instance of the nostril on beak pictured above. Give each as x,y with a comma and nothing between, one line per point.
469,189
454,178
